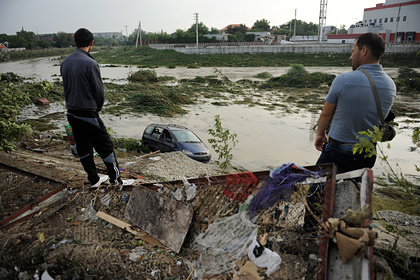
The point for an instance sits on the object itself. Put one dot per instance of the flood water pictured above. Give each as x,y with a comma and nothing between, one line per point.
266,139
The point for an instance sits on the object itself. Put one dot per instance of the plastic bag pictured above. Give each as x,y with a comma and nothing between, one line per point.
69,132
263,257
224,242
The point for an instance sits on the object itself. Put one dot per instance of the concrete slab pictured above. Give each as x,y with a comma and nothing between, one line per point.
350,195
165,219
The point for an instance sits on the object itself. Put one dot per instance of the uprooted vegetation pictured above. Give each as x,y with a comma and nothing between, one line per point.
78,248
298,77
167,96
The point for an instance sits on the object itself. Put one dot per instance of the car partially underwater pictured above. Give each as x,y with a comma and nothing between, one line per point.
172,137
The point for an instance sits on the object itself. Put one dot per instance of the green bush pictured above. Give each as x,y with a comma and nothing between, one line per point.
162,104
10,77
318,79
408,80
298,77
263,75
4,56
223,141
129,144
407,73
11,100
148,76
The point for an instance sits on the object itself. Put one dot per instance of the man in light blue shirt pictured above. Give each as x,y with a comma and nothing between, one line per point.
350,108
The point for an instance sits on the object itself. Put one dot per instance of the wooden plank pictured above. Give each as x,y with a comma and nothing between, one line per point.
164,218
126,226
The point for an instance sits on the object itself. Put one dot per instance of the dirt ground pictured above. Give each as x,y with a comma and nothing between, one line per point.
66,240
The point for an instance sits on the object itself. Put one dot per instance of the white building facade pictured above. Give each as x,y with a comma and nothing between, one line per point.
397,21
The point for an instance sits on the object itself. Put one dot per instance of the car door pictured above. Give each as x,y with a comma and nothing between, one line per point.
151,139
166,141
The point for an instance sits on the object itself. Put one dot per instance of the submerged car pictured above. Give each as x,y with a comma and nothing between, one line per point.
171,137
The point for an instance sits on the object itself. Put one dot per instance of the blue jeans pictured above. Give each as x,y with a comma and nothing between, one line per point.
343,157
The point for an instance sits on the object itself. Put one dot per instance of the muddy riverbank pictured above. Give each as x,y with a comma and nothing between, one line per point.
267,138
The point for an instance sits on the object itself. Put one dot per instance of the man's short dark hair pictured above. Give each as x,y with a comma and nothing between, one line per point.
374,43
83,38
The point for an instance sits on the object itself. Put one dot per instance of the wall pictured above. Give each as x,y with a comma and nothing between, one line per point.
286,48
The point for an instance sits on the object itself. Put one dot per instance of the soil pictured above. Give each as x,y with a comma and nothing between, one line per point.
68,241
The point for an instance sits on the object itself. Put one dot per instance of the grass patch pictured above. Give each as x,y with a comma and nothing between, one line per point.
385,202
42,124
263,75
151,57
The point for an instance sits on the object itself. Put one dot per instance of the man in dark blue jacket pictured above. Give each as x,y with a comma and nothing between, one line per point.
84,94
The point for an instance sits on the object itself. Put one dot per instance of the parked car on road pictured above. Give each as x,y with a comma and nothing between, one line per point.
171,137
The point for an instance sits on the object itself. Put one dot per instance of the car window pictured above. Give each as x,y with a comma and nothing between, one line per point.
166,136
185,136
157,132
149,129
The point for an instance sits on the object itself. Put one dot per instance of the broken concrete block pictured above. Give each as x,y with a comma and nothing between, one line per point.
165,219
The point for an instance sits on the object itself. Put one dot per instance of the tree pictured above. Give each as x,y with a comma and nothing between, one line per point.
17,42
29,39
223,142
3,37
261,25
214,30
202,29
342,30
160,36
235,30
63,40
44,44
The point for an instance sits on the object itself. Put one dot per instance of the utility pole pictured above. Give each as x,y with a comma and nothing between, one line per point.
396,28
294,32
126,32
290,31
141,41
322,19
196,29
138,32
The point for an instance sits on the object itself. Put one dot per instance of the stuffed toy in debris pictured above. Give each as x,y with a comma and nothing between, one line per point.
351,241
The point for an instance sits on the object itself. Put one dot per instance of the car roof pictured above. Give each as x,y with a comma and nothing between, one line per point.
170,126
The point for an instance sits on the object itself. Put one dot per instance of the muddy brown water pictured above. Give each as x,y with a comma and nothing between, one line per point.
266,139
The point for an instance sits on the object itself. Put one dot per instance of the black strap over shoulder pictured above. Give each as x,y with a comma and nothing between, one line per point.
375,94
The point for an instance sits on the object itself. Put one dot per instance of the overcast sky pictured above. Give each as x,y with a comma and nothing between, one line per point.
52,16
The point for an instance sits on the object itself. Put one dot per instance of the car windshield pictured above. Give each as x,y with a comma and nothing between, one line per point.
185,136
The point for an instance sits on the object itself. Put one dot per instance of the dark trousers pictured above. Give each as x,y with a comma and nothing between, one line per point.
342,155
90,133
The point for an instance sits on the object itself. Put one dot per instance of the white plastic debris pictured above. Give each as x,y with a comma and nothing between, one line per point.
224,242
136,253
178,194
46,276
185,181
155,158
269,259
191,191
105,200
